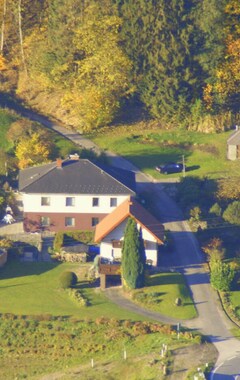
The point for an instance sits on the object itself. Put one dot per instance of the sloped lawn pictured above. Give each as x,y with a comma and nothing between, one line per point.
33,289
160,295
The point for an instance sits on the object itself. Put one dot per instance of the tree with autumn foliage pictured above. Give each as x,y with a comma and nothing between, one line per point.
102,69
33,150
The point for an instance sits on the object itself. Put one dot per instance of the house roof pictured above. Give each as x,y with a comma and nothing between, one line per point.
234,139
129,208
76,177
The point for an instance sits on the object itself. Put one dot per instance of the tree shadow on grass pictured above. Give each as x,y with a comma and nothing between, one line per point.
15,268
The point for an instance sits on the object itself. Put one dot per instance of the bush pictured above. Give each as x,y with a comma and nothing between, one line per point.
68,279
58,241
216,210
222,275
232,213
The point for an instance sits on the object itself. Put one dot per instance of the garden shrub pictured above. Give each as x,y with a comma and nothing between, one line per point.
58,241
216,209
222,275
85,237
77,296
232,213
68,279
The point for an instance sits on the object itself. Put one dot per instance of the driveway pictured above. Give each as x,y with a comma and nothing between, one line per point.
187,258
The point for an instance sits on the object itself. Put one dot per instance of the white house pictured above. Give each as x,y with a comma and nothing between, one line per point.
110,231
72,194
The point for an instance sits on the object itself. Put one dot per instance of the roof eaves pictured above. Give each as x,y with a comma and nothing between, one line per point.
146,228
112,227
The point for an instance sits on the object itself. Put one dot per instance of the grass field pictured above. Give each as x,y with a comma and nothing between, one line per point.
204,154
36,346
6,118
161,293
33,288
42,330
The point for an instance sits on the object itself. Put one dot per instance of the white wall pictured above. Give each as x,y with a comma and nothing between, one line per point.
106,249
83,203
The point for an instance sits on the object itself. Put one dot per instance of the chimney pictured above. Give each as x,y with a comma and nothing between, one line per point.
59,163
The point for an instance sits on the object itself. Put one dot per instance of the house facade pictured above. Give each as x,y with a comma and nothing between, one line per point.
233,146
71,194
110,231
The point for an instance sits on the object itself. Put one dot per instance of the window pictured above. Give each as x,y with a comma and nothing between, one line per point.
69,222
117,243
113,202
70,201
45,201
45,221
95,202
95,221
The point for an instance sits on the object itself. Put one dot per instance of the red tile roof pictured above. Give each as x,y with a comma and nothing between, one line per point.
130,208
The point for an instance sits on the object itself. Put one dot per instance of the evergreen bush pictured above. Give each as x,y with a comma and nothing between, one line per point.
68,279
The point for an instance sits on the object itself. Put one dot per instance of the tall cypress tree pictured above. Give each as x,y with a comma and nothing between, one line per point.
133,256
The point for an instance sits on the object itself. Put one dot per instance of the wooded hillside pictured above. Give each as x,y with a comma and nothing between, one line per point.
83,60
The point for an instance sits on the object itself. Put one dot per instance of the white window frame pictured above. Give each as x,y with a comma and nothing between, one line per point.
45,201
70,201
113,202
68,219
95,202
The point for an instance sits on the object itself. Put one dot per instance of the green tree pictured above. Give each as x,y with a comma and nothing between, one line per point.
133,256
216,209
222,275
232,213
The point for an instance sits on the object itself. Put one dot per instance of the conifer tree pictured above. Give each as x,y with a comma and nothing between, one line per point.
158,38
133,256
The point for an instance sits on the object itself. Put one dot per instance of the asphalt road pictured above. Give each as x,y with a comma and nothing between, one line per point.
186,258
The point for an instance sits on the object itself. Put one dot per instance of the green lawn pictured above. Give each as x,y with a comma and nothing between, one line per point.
33,288
53,334
161,293
204,154
235,301
6,118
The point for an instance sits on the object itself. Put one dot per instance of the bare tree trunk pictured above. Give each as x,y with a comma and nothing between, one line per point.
3,26
21,36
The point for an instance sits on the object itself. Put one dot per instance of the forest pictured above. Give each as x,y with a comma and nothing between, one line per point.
88,61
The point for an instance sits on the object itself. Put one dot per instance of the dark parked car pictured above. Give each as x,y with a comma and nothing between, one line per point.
172,167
